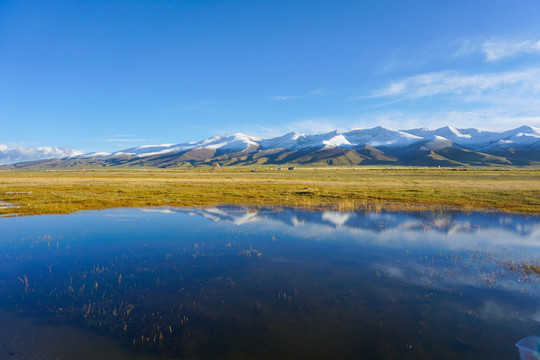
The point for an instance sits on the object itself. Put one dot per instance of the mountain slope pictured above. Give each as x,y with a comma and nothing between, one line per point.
446,146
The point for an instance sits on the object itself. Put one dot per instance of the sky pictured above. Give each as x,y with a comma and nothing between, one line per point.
110,75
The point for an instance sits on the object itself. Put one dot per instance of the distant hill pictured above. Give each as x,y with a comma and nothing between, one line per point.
445,147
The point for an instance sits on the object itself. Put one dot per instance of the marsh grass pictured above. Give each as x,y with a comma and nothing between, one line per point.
59,192
532,268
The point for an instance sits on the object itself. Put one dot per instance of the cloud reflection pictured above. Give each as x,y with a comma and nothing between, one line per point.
450,230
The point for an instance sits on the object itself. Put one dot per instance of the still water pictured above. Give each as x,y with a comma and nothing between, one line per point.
269,283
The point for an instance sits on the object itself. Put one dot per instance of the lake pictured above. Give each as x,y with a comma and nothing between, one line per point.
268,283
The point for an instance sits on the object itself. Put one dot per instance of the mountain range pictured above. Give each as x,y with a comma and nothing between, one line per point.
445,147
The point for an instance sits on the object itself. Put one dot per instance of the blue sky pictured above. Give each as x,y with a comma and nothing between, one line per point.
108,75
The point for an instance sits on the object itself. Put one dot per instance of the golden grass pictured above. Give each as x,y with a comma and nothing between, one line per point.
58,192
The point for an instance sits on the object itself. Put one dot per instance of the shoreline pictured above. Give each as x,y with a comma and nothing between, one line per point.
62,192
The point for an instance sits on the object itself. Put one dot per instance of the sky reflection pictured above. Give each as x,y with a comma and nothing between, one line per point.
204,282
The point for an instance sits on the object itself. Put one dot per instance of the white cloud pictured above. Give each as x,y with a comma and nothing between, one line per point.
503,100
495,49
19,154
455,83
500,99
498,49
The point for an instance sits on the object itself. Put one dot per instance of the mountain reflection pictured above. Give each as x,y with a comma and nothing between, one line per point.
232,282
379,222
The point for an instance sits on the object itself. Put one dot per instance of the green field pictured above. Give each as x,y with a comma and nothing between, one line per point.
60,192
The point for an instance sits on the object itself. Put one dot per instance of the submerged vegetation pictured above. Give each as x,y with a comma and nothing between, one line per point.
532,268
58,192
152,298
184,286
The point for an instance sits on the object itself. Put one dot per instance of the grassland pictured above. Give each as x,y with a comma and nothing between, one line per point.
60,192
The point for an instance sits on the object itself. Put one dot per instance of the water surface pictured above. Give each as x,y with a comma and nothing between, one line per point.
272,283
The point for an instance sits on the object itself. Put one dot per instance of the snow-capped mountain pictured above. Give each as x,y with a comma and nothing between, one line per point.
232,143
446,146
474,139
378,137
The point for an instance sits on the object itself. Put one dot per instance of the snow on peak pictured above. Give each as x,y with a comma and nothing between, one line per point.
450,132
151,146
521,136
381,136
528,129
287,141
525,131
94,155
145,150
294,135
377,137
336,141
233,142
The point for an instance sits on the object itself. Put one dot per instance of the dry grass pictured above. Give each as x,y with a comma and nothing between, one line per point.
57,192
